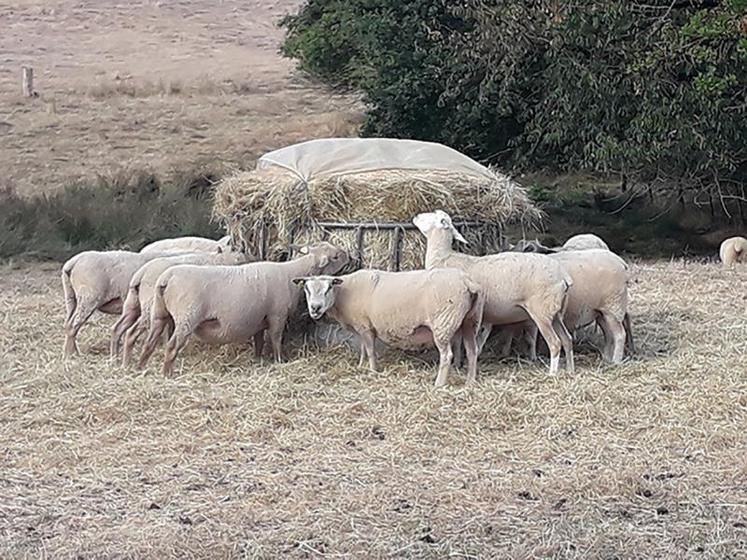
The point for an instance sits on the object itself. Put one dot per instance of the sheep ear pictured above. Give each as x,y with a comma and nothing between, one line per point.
323,261
458,236
336,281
299,281
300,249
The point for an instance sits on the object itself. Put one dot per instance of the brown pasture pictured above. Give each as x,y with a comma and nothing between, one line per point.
150,85
317,458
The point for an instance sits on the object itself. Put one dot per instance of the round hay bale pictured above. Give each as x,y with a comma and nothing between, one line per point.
368,213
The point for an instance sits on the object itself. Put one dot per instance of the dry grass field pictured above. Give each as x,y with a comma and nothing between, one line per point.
315,458
149,84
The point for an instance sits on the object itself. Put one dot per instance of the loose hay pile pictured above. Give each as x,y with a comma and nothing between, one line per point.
267,209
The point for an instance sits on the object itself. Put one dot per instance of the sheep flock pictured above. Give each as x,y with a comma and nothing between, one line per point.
177,289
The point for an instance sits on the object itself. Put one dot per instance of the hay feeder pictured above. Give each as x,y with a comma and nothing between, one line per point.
361,194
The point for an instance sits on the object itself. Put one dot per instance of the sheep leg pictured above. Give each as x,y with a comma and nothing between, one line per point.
169,330
131,337
508,338
482,337
629,333
126,320
617,330
82,313
259,344
530,337
607,346
545,327
469,336
275,328
444,363
456,348
177,341
369,342
157,327
363,353
70,304
566,341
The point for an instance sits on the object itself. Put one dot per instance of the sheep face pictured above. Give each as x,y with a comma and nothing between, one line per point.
429,221
320,293
526,246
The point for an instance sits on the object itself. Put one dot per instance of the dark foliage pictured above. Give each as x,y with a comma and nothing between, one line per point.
655,90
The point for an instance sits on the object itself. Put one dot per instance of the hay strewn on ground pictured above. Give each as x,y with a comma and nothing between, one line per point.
292,209
315,458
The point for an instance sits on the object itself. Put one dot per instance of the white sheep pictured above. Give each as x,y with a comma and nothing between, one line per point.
599,293
223,304
517,286
580,242
136,308
733,250
189,244
409,310
97,281
583,242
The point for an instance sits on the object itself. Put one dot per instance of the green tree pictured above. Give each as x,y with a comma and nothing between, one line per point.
655,89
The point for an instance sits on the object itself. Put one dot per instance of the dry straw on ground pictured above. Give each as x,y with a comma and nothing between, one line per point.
316,458
290,210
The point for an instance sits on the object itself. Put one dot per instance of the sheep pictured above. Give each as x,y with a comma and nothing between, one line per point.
409,310
599,293
517,286
584,241
189,244
733,250
136,308
97,280
222,304
580,242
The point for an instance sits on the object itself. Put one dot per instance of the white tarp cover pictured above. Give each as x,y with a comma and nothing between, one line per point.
344,156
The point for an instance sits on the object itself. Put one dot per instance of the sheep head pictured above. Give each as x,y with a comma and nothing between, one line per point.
531,246
320,293
328,259
438,220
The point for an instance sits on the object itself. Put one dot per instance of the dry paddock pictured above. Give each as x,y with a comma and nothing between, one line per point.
313,458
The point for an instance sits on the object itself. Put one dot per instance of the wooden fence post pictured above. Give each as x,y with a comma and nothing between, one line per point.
28,81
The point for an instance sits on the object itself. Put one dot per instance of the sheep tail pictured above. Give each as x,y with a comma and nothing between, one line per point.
132,301
567,283
158,308
71,301
477,304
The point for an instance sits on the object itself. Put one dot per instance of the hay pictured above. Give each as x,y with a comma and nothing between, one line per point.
275,204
